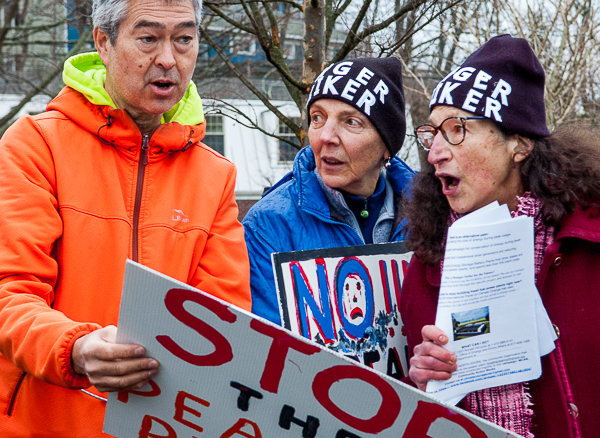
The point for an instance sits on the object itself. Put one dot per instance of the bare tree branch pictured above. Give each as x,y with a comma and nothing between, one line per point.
290,123
83,40
237,3
272,50
331,17
252,124
351,40
228,19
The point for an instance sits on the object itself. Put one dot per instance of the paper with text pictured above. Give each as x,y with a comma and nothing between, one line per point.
487,305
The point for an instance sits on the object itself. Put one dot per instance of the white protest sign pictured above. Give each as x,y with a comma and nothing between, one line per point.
346,299
225,373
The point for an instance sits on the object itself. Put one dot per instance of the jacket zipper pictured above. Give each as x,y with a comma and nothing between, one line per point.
138,193
13,397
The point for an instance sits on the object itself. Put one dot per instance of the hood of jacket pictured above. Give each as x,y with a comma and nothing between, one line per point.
86,102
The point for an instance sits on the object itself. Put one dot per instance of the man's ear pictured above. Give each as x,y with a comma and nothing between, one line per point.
103,44
522,149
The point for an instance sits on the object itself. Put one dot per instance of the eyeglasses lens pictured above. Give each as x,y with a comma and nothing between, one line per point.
425,134
453,130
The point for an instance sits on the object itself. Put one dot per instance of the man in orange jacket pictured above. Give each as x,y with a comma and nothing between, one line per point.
113,170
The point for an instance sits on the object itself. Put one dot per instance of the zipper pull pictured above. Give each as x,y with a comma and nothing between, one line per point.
364,212
145,149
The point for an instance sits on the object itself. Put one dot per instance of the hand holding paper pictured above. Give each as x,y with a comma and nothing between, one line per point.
431,361
110,366
489,305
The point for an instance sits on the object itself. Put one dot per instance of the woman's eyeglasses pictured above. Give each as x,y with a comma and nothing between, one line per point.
453,130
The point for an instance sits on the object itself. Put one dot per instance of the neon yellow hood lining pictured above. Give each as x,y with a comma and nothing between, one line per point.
86,73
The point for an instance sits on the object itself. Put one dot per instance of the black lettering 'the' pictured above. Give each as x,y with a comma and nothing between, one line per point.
309,427
246,394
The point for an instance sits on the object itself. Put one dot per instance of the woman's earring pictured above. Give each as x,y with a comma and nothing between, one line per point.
387,162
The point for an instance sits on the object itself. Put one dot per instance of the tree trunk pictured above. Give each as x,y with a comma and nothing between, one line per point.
9,13
314,54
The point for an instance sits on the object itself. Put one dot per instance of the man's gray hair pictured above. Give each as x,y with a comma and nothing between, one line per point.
107,15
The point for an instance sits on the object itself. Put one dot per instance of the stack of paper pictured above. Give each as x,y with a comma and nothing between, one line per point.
489,305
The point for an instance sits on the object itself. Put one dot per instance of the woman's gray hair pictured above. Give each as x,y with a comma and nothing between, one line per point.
107,15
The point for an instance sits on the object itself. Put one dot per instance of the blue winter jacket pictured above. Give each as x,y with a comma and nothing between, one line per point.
294,215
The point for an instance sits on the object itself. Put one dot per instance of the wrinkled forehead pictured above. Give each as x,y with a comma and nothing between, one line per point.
137,10
331,107
442,112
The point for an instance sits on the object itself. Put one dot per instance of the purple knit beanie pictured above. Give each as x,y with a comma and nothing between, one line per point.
374,87
503,81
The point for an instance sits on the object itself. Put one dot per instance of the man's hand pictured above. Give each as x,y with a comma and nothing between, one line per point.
431,361
110,366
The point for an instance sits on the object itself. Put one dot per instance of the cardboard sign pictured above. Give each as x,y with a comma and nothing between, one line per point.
225,373
347,299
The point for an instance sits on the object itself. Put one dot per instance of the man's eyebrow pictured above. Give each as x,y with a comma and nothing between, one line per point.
186,24
156,25
145,23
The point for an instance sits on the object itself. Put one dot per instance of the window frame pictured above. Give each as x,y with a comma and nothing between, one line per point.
215,133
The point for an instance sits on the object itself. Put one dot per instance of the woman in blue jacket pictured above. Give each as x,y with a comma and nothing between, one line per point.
345,188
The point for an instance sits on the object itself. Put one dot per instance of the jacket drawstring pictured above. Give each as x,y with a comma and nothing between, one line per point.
189,142
108,124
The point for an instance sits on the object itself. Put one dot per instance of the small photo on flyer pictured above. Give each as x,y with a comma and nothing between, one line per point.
471,323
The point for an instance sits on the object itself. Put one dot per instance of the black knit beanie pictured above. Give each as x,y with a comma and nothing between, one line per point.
374,87
503,81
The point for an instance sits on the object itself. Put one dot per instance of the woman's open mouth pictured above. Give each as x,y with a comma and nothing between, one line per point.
449,184
330,164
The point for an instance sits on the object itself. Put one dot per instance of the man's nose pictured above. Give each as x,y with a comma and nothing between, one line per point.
440,149
165,57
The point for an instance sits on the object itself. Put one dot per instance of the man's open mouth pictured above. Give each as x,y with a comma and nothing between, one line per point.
162,84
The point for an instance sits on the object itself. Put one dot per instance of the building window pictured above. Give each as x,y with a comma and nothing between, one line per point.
287,152
215,137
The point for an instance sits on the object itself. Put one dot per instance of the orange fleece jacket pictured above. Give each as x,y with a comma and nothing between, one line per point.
69,180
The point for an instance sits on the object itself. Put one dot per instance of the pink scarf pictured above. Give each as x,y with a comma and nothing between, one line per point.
509,406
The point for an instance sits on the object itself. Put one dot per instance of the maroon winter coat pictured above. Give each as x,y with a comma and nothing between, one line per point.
569,284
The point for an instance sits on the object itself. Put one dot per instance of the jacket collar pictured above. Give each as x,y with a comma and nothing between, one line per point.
583,223
115,126
86,102
310,196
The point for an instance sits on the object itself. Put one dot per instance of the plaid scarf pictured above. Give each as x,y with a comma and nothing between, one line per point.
509,406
